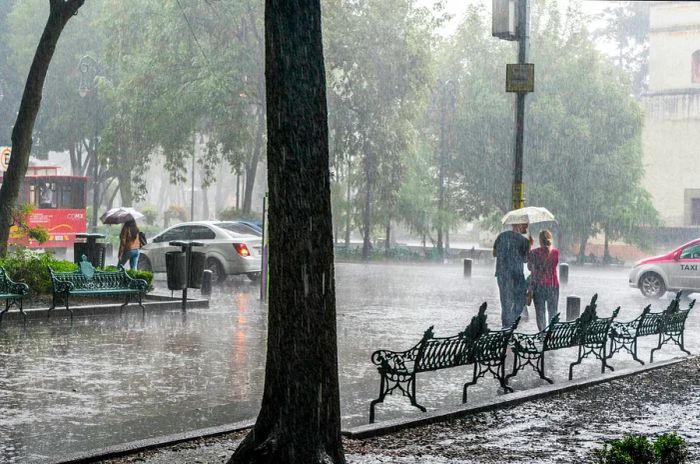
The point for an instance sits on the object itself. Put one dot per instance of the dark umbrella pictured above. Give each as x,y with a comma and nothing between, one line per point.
120,215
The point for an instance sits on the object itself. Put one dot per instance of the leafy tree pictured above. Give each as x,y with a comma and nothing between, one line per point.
378,59
60,12
299,420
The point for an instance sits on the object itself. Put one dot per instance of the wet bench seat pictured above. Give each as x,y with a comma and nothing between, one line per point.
87,281
476,345
12,293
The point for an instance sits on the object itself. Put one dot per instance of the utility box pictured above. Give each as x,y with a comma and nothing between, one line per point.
504,19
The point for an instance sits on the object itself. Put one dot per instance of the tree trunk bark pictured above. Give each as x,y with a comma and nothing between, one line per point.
252,168
60,12
299,419
582,249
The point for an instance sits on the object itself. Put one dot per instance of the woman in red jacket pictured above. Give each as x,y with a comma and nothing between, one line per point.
542,263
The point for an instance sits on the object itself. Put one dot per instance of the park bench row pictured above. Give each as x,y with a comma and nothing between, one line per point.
601,337
85,281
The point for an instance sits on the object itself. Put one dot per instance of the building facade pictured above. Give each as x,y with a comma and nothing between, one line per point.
671,136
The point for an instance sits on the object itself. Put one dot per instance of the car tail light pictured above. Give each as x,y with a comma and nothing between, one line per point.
242,249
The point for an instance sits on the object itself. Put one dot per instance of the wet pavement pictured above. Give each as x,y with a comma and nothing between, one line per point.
109,380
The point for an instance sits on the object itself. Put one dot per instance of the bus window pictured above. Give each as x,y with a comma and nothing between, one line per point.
47,195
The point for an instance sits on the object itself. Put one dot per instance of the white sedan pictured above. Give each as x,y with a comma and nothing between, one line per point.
676,270
227,253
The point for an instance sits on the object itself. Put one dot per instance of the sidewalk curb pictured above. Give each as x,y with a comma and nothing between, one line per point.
504,401
147,444
151,302
364,431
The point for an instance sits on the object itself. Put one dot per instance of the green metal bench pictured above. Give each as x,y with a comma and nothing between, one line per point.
589,333
668,324
87,281
475,345
12,292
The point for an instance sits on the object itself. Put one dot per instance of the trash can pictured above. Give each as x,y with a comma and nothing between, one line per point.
93,251
197,259
176,270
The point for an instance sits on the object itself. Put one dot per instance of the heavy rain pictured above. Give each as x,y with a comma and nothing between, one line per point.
455,143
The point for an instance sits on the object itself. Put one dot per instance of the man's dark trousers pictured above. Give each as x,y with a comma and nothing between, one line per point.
513,291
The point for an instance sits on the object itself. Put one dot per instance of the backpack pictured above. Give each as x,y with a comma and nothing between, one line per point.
142,239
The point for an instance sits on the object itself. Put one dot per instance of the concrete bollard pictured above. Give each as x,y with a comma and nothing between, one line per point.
206,282
564,273
467,267
573,307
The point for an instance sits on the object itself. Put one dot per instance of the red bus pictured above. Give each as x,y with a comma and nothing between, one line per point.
59,206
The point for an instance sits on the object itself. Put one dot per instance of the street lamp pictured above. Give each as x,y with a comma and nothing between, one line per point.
89,70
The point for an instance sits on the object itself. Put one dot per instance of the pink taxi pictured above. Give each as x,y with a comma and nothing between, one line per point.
676,270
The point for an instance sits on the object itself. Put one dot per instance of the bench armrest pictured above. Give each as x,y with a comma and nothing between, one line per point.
18,288
394,360
527,342
138,284
62,286
625,329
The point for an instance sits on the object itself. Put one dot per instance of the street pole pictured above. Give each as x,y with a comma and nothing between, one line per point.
523,31
194,152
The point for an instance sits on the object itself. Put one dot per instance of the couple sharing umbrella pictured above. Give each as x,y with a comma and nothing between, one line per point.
528,215
120,215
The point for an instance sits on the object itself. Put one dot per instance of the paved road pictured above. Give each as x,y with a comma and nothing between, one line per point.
110,380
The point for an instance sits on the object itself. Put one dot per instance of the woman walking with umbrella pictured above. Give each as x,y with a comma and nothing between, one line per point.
129,244
129,237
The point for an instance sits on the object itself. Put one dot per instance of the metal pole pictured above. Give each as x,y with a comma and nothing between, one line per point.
194,151
523,49
95,188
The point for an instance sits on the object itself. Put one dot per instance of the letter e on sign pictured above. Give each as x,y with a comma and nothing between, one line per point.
5,153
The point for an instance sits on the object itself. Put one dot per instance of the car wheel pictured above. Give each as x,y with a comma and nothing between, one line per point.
652,285
254,276
217,270
144,264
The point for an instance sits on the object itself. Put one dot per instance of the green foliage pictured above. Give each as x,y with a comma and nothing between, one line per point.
668,448
233,214
31,268
175,212
150,215
21,228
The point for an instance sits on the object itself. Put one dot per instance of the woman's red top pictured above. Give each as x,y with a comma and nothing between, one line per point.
542,264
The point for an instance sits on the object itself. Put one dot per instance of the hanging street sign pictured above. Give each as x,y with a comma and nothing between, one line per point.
5,158
520,77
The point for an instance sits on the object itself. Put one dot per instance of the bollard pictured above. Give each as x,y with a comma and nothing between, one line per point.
467,267
563,273
206,282
573,307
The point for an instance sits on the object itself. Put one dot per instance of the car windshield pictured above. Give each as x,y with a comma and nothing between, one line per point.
238,228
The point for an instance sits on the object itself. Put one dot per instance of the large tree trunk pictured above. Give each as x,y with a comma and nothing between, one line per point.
299,420
59,14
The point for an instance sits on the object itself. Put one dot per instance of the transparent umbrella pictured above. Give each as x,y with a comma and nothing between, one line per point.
528,215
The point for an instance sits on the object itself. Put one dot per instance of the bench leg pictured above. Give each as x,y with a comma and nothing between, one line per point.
121,308
540,368
634,352
7,308
658,347
516,366
141,303
21,309
412,388
474,379
68,309
682,344
382,394
501,376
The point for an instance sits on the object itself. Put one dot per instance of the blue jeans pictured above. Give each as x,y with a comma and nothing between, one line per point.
546,301
513,291
132,256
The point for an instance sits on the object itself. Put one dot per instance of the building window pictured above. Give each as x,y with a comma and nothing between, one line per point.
695,212
695,70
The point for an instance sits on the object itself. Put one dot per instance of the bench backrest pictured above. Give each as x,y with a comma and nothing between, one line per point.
650,324
438,353
492,345
595,332
568,334
88,278
674,321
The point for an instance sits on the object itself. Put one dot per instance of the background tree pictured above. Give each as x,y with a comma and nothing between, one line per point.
59,13
299,420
